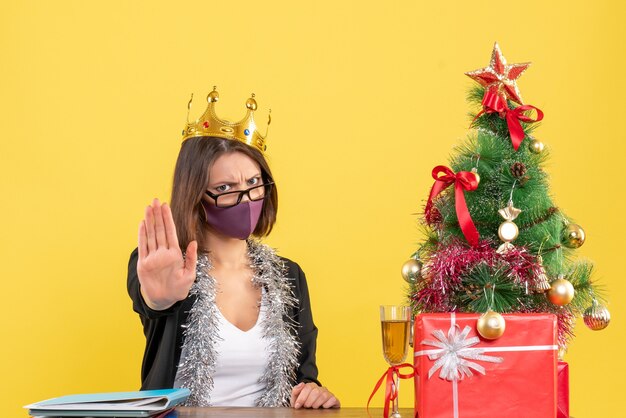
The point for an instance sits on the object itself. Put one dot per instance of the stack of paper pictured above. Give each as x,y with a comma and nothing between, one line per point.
146,403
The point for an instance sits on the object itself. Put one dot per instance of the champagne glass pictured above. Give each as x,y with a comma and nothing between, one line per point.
395,322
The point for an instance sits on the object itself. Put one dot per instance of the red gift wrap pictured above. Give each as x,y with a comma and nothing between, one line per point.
562,376
458,374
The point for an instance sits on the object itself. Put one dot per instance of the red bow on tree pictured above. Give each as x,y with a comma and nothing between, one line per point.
463,181
495,103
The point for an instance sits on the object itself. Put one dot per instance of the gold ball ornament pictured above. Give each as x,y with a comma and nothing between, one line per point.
491,325
573,236
508,231
561,291
597,317
475,171
536,146
411,270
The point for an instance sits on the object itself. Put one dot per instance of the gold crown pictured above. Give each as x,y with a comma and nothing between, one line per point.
210,125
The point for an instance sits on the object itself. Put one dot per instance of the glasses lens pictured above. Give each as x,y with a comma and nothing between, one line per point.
226,200
230,199
258,193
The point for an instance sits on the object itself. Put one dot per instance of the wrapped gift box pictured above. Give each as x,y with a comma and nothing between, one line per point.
562,390
461,375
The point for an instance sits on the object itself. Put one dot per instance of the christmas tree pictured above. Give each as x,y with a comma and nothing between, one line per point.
495,242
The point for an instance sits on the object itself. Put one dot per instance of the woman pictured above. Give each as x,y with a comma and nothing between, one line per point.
228,319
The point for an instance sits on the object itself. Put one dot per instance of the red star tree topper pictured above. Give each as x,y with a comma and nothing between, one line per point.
500,77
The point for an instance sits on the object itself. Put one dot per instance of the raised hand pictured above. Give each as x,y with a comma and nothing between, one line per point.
165,276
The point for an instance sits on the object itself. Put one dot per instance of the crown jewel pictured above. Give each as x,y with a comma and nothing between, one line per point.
210,125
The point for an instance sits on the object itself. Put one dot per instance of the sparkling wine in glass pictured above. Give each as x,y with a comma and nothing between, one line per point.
395,323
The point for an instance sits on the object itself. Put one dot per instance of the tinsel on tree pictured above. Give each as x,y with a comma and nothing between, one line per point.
495,239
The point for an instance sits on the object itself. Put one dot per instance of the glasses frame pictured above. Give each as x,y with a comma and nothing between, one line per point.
267,186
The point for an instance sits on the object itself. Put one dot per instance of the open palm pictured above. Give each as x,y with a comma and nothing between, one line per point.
164,274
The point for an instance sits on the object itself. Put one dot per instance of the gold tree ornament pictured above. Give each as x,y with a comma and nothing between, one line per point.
561,291
541,282
491,325
411,270
573,236
475,172
508,231
597,316
536,147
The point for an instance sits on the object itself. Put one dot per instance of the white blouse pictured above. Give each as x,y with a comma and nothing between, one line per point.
242,358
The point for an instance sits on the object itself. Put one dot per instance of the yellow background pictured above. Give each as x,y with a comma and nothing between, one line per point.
366,98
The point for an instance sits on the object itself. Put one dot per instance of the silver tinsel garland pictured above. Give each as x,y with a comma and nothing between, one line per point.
201,331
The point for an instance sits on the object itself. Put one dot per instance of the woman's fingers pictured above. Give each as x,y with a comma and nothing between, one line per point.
304,395
295,392
170,227
149,222
315,393
159,227
299,402
321,399
143,240
191,258
309,395
332,402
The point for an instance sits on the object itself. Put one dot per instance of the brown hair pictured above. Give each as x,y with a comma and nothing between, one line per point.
191,179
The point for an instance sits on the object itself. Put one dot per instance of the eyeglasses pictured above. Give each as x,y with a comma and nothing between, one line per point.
230,199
